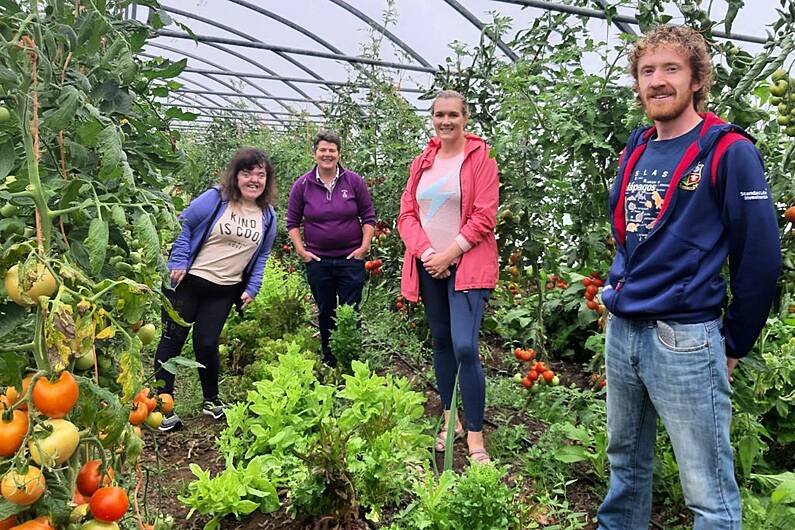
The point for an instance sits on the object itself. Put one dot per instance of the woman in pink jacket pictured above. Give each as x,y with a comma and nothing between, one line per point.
447,217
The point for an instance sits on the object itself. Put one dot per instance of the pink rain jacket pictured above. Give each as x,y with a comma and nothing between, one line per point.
477,268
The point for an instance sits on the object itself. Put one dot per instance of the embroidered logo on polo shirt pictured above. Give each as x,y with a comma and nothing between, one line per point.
691,181
344,194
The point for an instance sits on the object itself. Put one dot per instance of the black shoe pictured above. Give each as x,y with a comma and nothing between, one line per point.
170,423
214,408
330,360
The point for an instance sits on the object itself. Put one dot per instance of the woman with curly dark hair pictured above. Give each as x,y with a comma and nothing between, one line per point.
217,261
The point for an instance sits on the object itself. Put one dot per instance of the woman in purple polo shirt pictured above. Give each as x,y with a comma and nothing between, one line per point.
338,218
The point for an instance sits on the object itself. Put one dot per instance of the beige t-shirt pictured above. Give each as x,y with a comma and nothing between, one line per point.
230,245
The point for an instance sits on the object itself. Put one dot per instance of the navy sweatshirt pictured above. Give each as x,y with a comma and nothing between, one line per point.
717,206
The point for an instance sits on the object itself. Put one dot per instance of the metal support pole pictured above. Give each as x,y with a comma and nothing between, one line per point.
595,13
481,26
297,51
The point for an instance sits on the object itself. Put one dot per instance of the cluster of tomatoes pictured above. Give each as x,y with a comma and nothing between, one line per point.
149,409
382,232
556,281
538,372
592,285
51,443
375,181
782,96
598,381
373,267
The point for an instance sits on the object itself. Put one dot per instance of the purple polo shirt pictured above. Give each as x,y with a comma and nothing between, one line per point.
332,221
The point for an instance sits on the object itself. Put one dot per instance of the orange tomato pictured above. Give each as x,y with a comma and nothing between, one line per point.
143,397
166,403
55,399
138,413
548,376
13,429
23,488
39,523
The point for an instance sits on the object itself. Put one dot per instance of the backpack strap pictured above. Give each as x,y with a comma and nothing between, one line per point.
720,149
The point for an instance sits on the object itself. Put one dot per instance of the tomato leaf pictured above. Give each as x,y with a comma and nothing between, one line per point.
147,235
11,315
7,159
130,369
170,366
7,509
97,244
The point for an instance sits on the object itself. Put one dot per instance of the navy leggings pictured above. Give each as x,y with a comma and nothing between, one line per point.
454,318
206,305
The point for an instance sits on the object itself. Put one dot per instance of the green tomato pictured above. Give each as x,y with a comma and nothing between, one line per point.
98,525
84,362
154,419
8,210
783,108
780,88
147,333
135,257
555,381
123,268
5,114
779,75
775,101
790,130
783,120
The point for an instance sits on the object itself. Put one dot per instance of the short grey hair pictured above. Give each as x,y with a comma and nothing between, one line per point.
327,136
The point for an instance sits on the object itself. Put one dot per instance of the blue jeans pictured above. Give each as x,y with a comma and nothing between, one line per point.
454,319
677,371
331,279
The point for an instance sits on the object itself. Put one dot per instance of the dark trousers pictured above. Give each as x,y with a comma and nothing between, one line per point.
330,279
206,305
454,319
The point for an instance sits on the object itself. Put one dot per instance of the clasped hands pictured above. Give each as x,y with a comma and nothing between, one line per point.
438,264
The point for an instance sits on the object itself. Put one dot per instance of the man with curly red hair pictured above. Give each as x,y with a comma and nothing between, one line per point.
690,192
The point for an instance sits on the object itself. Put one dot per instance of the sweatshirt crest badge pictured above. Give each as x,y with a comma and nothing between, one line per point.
344,193
691,181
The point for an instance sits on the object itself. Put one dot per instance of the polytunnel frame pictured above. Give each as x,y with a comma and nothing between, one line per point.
622,22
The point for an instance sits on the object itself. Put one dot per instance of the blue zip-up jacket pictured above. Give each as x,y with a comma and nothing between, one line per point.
717,205
197,221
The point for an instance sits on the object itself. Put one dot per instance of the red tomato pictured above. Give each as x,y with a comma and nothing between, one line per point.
527,383
539,367
89,477
591,290
532,375
518,353
109,504
586,281
8,522
592,304
548,376
55,399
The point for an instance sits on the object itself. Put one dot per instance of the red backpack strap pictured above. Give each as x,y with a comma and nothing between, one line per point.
723,144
